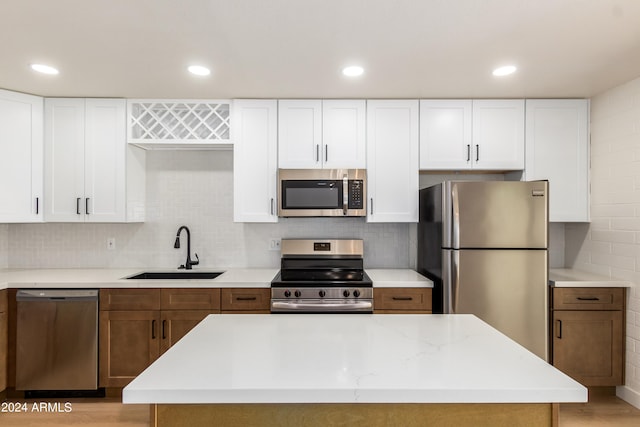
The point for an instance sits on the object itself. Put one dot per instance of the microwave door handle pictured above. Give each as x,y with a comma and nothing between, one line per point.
345,194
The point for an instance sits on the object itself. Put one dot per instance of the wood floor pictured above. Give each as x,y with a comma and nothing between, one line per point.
601,411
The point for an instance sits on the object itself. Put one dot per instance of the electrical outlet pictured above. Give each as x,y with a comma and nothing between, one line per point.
111,243
274,244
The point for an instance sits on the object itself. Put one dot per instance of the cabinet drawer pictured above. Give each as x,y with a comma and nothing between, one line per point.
245,299
190,299
130,299
408,299
4,305
588,298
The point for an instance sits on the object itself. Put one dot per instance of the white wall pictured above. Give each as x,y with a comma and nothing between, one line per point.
610,244
4,245
194,188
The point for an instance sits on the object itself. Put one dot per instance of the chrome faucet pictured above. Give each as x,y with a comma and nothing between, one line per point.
187,265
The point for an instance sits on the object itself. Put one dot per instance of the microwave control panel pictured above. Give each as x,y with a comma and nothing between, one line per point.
355,194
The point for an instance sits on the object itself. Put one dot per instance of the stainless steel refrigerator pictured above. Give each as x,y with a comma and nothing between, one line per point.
484,244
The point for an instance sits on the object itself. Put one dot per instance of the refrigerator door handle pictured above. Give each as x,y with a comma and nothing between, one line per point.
450,281
455,217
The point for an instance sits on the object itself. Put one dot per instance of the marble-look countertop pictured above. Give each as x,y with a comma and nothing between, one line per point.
570,278
231,278
368,358
398,278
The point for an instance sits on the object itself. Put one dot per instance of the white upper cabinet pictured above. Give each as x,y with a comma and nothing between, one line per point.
299,134
321,134
557,140
445,134
472,134
498,134
392,160
86,169
343,134
255,160
21,163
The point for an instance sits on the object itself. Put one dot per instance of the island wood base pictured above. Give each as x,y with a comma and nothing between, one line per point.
357,414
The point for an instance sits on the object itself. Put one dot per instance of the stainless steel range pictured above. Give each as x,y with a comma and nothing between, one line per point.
322,276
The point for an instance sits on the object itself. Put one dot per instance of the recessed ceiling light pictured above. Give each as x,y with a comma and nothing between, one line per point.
504,71
45,69
199,70
353,71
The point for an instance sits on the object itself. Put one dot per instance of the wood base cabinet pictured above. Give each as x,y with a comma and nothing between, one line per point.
588,334
4,339
129,343
138,325
402,300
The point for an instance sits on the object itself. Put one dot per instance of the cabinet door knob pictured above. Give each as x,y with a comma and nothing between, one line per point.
559,329
477,152
86,206
153,329
164,336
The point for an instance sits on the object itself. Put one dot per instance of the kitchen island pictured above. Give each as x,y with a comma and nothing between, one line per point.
351,370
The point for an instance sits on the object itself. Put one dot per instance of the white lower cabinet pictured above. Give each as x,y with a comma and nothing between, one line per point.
557,141
91,174
255,160
21,149
392,160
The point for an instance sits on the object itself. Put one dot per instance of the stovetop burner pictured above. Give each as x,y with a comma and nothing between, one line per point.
361,280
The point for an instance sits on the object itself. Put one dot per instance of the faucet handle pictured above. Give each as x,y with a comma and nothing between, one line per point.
197,260
182,267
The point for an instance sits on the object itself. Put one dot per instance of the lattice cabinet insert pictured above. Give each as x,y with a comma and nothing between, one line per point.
157,123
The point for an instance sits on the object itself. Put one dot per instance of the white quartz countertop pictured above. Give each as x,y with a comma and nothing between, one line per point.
110,278
398,278
570,278
309,358
231,278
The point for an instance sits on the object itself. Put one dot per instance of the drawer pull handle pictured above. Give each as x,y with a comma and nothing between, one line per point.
588,298
164,335
559,329
153,329
402,298
246,298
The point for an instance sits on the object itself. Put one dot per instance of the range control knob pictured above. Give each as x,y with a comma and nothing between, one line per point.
346,293
298,294
287,293
322,294
356,293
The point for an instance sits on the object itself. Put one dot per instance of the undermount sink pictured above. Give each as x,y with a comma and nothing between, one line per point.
177,275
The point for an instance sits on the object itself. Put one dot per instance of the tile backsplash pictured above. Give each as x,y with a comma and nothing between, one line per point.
4,245
192,188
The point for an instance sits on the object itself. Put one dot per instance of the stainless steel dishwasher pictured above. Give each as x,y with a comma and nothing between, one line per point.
57,339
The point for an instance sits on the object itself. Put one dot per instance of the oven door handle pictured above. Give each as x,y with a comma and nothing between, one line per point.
295,306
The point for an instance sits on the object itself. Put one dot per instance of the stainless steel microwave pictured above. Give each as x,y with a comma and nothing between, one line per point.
322,192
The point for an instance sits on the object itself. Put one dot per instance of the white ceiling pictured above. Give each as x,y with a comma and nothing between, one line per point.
296,48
